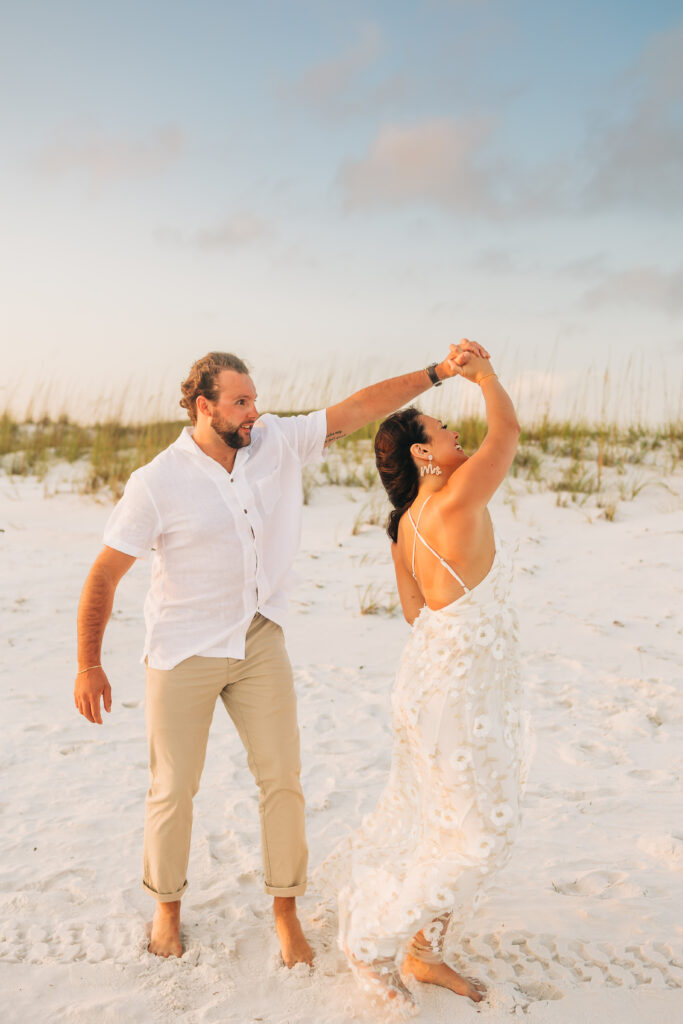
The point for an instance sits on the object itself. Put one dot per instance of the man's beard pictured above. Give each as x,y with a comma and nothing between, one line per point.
228,433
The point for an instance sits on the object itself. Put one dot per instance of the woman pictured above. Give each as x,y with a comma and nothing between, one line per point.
447,816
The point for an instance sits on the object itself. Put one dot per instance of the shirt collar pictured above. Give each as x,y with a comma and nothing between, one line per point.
186,443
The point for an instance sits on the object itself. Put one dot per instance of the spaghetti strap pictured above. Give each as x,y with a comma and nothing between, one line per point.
443,561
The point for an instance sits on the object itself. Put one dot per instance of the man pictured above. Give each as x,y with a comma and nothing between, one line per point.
222,507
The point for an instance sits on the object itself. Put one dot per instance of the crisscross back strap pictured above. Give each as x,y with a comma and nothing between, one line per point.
443,561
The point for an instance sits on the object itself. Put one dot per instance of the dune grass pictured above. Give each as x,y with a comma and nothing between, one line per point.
569,457
109,451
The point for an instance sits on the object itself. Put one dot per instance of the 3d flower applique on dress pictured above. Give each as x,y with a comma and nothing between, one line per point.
481,727
501,815
444,823
462,665
461,759
484,634
498,648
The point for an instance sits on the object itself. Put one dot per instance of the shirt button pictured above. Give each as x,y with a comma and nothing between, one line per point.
245,511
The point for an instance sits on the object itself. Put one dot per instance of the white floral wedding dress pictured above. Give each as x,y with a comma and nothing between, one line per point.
448,814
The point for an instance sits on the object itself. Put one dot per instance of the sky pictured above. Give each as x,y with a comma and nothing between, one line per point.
336,191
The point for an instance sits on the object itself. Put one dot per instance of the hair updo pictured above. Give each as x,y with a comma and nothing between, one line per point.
394,462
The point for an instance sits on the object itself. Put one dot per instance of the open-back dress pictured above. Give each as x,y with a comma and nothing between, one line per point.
446,819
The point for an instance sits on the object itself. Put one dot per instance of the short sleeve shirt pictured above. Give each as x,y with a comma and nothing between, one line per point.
223,542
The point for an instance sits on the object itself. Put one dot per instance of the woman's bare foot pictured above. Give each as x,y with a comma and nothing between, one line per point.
293,945
164,930
381,978
442,974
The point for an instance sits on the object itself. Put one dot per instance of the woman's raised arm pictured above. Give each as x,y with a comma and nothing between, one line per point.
479,478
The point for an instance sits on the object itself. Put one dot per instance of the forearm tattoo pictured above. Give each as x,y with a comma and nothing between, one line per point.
334,435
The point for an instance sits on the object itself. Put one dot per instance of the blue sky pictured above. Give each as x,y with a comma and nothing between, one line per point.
347,185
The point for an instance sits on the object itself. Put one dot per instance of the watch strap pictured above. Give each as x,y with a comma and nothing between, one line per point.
431,373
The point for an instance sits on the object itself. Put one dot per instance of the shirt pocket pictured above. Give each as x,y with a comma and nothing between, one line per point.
268,491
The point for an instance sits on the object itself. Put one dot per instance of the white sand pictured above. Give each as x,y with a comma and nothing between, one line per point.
585,923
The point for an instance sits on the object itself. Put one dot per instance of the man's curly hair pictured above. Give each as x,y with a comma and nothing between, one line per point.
202,379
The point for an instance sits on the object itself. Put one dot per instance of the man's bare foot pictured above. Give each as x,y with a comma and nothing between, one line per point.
295,949
442,974
164,930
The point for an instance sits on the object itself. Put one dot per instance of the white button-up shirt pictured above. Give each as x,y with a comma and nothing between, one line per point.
224,542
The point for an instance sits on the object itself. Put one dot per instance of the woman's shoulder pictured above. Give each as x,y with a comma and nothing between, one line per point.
447,526
444,506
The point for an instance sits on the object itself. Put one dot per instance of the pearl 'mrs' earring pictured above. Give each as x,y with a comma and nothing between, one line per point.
433,470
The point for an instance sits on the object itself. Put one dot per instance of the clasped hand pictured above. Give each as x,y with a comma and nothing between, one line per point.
466,359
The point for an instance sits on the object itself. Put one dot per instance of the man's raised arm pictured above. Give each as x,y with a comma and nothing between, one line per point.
94,609
379,400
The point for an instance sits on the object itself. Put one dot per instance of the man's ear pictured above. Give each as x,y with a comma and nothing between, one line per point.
203,405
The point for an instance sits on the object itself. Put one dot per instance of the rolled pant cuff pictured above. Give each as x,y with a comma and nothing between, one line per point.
165,897
291,890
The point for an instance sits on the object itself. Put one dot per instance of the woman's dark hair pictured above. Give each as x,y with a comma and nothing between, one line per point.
394,462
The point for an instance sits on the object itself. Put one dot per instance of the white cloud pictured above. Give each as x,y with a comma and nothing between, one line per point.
104,160
326,85
635,159
435,161
644,286
495,261
585,269
238,230
639,159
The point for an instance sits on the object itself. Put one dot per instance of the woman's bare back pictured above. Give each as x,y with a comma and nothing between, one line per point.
463,538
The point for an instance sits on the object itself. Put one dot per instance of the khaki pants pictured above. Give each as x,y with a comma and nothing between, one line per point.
258,694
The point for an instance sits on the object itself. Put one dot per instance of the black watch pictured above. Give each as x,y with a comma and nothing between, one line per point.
431,372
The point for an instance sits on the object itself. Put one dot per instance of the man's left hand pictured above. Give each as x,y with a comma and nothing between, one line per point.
458,356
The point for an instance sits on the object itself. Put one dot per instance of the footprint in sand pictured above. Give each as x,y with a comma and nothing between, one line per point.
545,967
60,880
71,942
536,991
603,884
75,748
667,849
